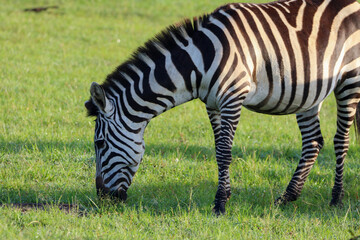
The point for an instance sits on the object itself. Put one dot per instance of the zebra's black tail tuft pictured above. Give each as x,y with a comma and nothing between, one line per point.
357,123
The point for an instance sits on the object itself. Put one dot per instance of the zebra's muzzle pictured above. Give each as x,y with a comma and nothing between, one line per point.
103,191
119,194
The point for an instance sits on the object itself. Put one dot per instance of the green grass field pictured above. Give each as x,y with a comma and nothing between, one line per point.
47,63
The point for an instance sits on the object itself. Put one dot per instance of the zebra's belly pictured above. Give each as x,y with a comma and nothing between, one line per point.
291,110
278,102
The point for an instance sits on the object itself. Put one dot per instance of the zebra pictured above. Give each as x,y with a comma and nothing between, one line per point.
278,58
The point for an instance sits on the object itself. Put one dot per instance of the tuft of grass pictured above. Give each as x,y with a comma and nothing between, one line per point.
48,61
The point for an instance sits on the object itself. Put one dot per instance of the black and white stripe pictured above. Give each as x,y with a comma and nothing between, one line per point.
278,58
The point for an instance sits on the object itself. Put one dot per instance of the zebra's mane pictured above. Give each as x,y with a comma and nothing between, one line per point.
164,39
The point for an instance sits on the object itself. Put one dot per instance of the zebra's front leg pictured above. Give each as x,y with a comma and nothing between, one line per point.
224,125
312,142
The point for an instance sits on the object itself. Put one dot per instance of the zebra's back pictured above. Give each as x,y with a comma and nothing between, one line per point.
292,54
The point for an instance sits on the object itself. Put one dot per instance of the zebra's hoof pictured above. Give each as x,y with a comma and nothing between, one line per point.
337,196
285,198
281,201
219,209
336,202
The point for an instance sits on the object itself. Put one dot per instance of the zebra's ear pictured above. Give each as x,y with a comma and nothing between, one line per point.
99,98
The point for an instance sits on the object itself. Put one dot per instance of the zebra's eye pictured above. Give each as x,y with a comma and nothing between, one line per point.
100,144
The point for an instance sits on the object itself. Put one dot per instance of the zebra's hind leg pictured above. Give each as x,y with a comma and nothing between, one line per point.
347,101
312,142
224,124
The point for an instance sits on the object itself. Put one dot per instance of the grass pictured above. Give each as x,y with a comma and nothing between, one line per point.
48,61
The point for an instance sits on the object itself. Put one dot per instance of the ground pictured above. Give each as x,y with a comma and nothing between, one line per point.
48,60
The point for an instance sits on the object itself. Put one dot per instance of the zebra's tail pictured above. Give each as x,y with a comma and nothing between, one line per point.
357,122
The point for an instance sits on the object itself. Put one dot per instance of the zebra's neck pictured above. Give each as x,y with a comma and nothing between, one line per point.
165,73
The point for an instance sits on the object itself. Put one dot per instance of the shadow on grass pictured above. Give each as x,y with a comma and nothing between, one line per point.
173,197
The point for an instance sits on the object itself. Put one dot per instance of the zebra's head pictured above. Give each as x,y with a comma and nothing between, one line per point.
119,144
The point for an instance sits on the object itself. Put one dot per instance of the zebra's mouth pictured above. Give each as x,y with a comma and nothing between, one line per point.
119,194
103,191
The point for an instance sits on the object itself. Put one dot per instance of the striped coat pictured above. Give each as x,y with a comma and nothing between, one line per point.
277,58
